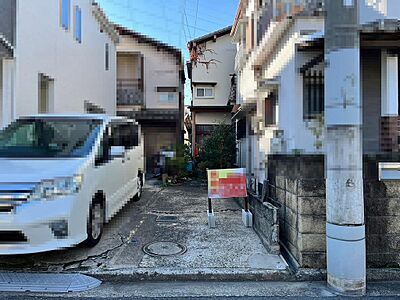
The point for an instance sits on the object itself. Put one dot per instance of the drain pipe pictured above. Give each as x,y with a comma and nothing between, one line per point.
345,230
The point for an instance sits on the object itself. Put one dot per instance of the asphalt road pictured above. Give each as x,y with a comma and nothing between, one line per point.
216,290
229,248
175,215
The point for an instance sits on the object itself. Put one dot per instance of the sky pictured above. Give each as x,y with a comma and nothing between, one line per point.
174,22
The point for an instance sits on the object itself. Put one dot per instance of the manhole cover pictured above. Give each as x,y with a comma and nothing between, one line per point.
166,219
164,249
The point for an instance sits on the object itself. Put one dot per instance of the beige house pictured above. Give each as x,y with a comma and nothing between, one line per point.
213,85
150,89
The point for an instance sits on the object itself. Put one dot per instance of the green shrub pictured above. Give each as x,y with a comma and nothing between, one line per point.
219,149
177,166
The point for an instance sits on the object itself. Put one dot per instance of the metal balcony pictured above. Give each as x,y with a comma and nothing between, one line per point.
130,92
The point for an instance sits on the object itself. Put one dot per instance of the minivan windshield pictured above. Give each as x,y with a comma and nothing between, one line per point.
49,138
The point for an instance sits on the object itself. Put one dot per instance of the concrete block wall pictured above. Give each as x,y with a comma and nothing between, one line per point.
265,222
297,188
382,215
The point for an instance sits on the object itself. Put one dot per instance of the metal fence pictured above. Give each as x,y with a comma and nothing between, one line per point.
130,92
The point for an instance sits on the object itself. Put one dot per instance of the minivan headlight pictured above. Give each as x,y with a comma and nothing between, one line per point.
61,186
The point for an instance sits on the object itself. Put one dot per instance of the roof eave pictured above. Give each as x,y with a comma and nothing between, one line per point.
105,24
122,31
212,35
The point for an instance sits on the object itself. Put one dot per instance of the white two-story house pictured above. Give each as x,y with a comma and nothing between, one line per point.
281,66
55,57
213,84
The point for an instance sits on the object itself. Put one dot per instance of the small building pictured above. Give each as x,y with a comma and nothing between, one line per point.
150,89
213,84
55,57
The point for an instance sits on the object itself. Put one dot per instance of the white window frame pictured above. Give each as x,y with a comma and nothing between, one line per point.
204,88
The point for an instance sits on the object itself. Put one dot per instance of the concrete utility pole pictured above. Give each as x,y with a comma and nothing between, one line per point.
345,230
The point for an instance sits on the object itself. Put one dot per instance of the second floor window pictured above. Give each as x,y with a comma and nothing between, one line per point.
205,92
270,110
107,53
78,24
65,13
168,97
313,94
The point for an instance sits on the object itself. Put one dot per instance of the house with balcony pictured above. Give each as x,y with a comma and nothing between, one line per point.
55,57
213,84
280,65
150,89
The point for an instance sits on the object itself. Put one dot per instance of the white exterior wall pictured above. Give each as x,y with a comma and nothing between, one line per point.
248,85
160,70
285,64
78,69
225,53
1,93
8,92
212,118
389,85
372,10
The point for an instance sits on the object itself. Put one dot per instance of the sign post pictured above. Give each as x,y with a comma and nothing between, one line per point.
228,183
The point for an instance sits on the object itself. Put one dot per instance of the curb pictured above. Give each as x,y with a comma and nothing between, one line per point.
229,275
135,275
209,275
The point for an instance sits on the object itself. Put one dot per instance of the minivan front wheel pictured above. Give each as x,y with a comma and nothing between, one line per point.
95,223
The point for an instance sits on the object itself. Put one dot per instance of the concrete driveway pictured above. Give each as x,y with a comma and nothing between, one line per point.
175,219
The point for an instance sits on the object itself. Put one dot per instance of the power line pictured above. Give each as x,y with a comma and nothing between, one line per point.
154,15
165,19
187,24
219,18
182,19
195,20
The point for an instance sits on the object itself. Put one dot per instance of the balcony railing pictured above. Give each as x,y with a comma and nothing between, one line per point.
279,9
264,20
286,8
130,92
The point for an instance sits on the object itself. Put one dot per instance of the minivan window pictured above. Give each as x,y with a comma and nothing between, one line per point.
117,134
128,135
49,138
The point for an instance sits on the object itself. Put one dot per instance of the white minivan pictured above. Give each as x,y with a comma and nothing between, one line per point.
63,176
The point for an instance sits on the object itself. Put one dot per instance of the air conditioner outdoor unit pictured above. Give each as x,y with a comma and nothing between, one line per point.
277,145
389,171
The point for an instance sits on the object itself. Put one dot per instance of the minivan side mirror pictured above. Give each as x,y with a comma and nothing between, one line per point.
117,151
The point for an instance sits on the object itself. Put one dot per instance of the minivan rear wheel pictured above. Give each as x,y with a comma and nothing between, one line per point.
95,223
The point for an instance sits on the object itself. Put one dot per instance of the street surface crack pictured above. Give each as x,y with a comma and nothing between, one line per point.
103,255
